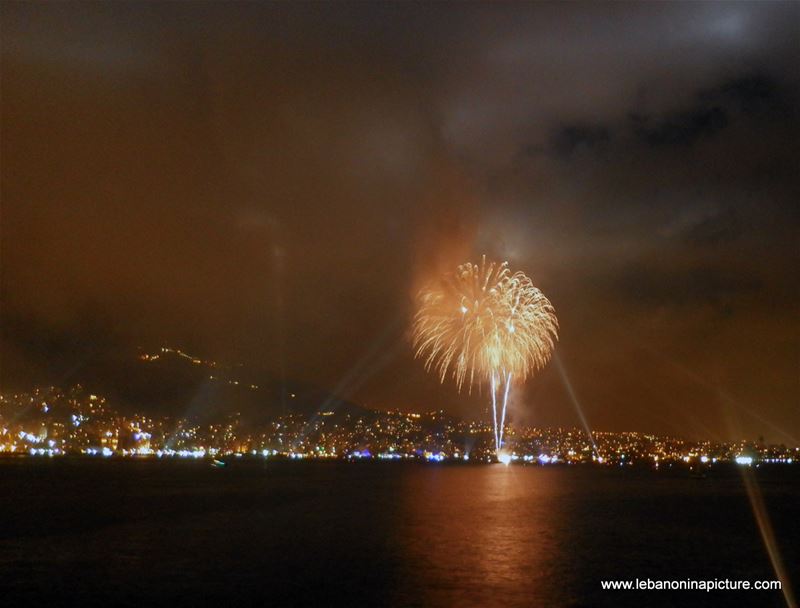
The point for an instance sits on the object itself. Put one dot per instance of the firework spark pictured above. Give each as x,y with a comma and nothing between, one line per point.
483,324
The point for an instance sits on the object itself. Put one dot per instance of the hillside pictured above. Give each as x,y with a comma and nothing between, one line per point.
167,381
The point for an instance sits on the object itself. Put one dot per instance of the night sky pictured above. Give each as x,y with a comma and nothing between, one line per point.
270,184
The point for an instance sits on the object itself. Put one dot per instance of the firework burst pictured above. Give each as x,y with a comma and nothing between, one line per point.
483,324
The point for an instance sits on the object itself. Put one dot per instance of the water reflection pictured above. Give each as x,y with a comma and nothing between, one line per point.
470,536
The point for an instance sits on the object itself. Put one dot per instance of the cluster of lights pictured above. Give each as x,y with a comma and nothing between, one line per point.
106,452
44,452
503,457
30,437
51,422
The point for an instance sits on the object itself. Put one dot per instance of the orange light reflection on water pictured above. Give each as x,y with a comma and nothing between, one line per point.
490,535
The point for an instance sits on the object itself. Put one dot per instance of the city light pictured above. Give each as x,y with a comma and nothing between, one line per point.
86,424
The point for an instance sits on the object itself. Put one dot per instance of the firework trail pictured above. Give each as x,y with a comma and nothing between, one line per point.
483,324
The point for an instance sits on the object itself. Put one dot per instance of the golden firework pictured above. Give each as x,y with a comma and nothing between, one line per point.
483,322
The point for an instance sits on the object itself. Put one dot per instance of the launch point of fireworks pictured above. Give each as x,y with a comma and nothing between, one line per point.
483,324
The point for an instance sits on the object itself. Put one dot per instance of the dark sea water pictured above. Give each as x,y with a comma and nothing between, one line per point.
127,533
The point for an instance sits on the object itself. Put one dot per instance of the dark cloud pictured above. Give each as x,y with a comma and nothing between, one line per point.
756,94
270,182
681,129
713,110
574,139
666,288
716,229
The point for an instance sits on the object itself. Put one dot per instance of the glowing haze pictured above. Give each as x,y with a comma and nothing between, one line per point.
272,183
